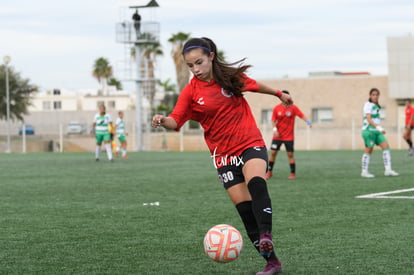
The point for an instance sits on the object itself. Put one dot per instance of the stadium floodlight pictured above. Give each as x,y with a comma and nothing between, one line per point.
7,60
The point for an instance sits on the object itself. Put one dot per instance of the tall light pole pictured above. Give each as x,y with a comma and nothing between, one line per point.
6,60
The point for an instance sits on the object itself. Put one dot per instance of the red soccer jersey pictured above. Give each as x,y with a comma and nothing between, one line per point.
285,117
409,111
228,123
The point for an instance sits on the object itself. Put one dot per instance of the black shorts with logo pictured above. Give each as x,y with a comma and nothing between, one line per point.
232,173
277,143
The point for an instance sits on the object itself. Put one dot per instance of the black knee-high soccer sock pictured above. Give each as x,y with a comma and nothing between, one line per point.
246,214
270,166
292,167
261,204
410,143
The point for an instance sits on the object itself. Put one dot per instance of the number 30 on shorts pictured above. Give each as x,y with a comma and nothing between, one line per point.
226,177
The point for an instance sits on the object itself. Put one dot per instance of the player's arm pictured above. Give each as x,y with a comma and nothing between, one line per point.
166,122
93,129
301,115
307,120
372,123
112,127
285,98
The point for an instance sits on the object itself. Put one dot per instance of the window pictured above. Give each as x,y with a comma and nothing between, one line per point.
46,105
322,115
111,104
57,105
56,92
266,116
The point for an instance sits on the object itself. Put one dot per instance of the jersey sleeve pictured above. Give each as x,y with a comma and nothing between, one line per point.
94,118
250,84
298,112
368,108
109,118
183,109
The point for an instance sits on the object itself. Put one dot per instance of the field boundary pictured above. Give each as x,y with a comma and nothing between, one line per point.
383,195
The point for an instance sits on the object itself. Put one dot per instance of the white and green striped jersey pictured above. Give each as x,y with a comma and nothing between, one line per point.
120,127
374,110
102,123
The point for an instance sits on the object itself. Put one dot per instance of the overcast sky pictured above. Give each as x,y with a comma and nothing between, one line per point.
55,43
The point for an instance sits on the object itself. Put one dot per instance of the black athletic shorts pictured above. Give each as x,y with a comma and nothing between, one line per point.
277,143
232,174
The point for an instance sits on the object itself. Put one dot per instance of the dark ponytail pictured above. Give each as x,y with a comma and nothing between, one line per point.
370,93
227,75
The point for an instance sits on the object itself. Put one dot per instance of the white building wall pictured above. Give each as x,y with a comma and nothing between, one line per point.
401,66
120,102
53,102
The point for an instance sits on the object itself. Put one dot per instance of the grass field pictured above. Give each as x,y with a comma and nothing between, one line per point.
66,214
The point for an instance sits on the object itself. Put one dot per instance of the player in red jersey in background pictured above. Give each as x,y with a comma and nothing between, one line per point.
283,119
214,97
409,125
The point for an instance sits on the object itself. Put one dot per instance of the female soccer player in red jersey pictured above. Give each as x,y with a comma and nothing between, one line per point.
409,125
283,118
214,97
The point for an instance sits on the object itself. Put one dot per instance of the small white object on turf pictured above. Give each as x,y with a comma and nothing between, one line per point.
366,174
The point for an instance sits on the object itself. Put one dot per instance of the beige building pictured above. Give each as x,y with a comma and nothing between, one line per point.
335,105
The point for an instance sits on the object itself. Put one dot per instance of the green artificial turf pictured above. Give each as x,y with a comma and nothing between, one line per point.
67,214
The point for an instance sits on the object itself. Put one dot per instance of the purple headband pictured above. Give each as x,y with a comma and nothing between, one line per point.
196,47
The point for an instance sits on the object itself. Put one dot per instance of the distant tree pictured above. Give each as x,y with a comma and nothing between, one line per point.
102,71
150,52
20,90
221,55
170,95
115,82
183,74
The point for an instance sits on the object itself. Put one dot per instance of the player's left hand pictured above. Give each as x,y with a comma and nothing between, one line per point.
287,99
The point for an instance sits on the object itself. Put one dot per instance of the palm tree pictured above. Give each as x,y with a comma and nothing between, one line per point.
115,82
102,71
183,74
170,96
150,51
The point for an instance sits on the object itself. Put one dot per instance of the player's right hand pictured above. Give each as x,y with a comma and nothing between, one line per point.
157,121
276,134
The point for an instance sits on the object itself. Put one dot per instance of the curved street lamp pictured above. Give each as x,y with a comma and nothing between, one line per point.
7,60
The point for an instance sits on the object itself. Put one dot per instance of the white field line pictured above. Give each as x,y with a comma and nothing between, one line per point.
382,195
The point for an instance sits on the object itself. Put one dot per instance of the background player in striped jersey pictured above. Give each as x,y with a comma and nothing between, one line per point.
121,134
409,125
101,123
214,97
283,119
373,134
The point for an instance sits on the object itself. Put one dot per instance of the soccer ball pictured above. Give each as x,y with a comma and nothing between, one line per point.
223,243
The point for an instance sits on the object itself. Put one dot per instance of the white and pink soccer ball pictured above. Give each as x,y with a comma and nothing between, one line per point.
223,243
